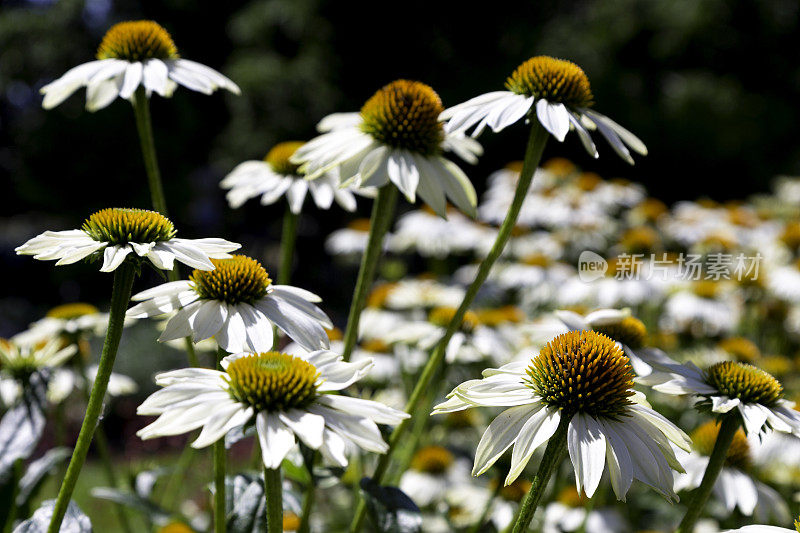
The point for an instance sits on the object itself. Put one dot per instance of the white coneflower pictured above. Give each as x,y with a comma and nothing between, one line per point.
755,394
237,304
582,379
19,362
276,176
433,470
115,233
133,54
73,320
396,137
734,487
285,397
618,324
558,93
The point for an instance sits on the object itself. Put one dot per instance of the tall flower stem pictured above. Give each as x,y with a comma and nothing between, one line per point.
219,470
144,125
381,218
274,492
141,108
288,239
101,445
550,461
533,154
120,297
730,424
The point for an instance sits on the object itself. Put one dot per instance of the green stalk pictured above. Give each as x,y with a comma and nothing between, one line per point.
699,497
556,447
219,470
144,125
103,449
274,493
120,297
308,501
141,108
381,218
533,154
288,239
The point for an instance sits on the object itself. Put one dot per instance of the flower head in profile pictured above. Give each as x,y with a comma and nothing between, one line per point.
237,304
285,397
133,54
730,385
585,378
735,487
74,321
396,137
618,324
22,365
553,91
118,232
276,176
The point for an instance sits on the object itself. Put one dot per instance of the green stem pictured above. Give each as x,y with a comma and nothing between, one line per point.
120,297
102,447
274,493
219,470
288,239
533,154
141,108
381,218
308,501
699,497
550,461
144,125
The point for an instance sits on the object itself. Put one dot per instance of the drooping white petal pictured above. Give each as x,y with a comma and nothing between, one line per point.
500,435
536,431
113,256
587,451
309,427
554,118
275,438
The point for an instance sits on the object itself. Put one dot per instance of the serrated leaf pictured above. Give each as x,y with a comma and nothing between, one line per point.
390,509
75,521
36,472
156,514
20,431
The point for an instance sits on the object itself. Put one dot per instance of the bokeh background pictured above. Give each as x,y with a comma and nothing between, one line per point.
712,88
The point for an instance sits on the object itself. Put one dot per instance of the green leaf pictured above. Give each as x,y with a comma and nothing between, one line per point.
249,514
156,514
34,476
390,509
74,520
20,430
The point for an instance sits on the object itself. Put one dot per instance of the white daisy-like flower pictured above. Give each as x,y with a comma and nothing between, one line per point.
757,528
432,471
432,236
618,324
734,487
131,55
396,137
276,176
729,385
474,341
585,380
553,91
65,380
285,397
237,304
116,232
73,320
18,362
351,240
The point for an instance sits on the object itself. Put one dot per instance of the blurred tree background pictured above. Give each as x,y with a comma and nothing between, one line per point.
711,87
